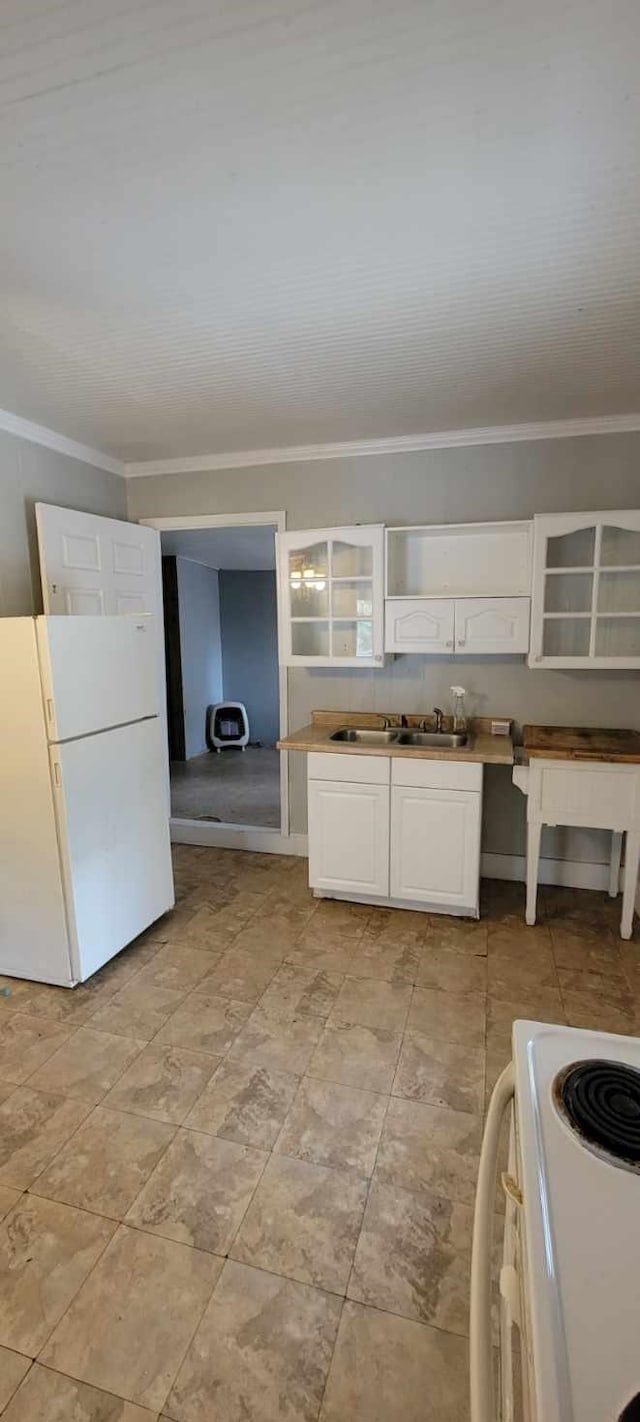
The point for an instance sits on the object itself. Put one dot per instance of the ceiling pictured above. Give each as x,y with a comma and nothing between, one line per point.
239,224
240,549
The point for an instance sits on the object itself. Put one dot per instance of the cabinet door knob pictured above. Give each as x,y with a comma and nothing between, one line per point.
462,642
450,642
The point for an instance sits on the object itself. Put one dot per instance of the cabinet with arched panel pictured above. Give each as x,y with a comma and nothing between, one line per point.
586,590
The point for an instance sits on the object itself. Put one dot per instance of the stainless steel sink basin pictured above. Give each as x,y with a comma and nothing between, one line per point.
364,738
445,740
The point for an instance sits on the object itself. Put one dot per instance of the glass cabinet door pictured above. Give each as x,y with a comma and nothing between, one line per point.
331,591
586,591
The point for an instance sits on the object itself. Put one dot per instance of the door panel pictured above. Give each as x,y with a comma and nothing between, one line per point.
114,838
419,625
486,626
349,837
435,846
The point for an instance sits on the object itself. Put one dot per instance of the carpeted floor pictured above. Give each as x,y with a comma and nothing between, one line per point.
236,787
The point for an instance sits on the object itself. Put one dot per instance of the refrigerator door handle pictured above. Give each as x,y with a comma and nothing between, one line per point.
56,774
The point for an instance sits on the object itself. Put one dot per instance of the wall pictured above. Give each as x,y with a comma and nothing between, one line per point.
249,624
30,474
440,486
199,612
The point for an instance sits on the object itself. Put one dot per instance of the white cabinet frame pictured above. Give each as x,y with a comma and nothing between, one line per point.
359,536
591,615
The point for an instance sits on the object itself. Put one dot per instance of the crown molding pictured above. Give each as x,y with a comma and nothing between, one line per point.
50,439
395,444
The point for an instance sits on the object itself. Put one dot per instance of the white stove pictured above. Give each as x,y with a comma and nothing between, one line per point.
570,1278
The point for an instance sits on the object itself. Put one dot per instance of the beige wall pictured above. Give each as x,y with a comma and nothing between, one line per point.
30,474
448,486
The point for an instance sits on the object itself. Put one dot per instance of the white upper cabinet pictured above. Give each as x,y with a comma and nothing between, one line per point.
330,597
419,625
586,590
486,626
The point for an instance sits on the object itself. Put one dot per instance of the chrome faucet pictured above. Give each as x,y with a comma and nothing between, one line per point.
404,722
439,715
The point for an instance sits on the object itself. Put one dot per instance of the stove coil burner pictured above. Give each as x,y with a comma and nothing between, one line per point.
600,1100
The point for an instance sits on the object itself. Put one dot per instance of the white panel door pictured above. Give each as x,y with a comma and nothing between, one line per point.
418,625
349,837
96,672
96,566
114,839
486,626
435,846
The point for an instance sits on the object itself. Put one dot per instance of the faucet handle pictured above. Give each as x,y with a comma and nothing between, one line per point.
439,715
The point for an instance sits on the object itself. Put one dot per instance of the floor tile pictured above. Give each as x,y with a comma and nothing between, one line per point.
16,993
439,1073
397,925
452,970
303,991
25,1043
334,1125
199,1191
106,1163
519,941
176,967
268,938
87,1065
137,1012
510,976
391,1369
262,1351
303,1221
13,1367
284,1043
8,1199
129,1327
163,1083
46,1252
466,935
414,1257
379,958
322,953
68,1006
585,1010
348,919
532,1004
369,1002
430,1148
206,1022
240,976
356,1056
49,1397
244,1103
448,1016
33,1127
601,986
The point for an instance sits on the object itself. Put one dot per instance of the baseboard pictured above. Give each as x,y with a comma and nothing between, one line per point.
570,873
261,841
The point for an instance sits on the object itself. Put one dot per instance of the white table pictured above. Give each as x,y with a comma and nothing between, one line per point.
596,794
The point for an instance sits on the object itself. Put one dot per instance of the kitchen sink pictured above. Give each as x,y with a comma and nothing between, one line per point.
445,740
358,737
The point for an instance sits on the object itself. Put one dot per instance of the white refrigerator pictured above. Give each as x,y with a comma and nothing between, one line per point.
85,859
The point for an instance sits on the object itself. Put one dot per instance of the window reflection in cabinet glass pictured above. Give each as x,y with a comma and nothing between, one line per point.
619,545
350,560
618,637
352,639
308,581
619,592
353,599
572,550
310,639
568,592
566,636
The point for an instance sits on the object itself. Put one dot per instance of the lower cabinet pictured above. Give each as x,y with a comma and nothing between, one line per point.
395,829
435,845
349,837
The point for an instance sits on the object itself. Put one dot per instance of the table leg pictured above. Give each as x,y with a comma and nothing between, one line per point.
534,835
632,862
614,863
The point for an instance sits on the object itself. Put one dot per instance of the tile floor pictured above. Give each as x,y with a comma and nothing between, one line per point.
236,787
237,1167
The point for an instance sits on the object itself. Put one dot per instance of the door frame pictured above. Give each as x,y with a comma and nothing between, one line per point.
230,836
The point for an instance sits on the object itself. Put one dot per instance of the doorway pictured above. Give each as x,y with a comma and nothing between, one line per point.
226,693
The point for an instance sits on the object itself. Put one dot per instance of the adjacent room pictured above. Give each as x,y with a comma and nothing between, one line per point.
320,711
223,694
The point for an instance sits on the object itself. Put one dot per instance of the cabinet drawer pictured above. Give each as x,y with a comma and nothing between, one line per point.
436,774
358,769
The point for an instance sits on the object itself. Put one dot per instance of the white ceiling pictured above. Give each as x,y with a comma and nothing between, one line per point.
237,224
240,549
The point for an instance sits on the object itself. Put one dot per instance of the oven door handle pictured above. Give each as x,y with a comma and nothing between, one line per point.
480,1340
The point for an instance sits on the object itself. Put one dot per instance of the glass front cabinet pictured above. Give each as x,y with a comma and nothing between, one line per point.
331,597
586,590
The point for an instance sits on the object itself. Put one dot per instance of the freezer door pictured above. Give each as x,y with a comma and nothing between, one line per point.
114,838
96,672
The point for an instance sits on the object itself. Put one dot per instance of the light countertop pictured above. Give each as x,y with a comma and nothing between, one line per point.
481,747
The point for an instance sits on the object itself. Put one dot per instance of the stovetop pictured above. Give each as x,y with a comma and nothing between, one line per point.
578,1109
